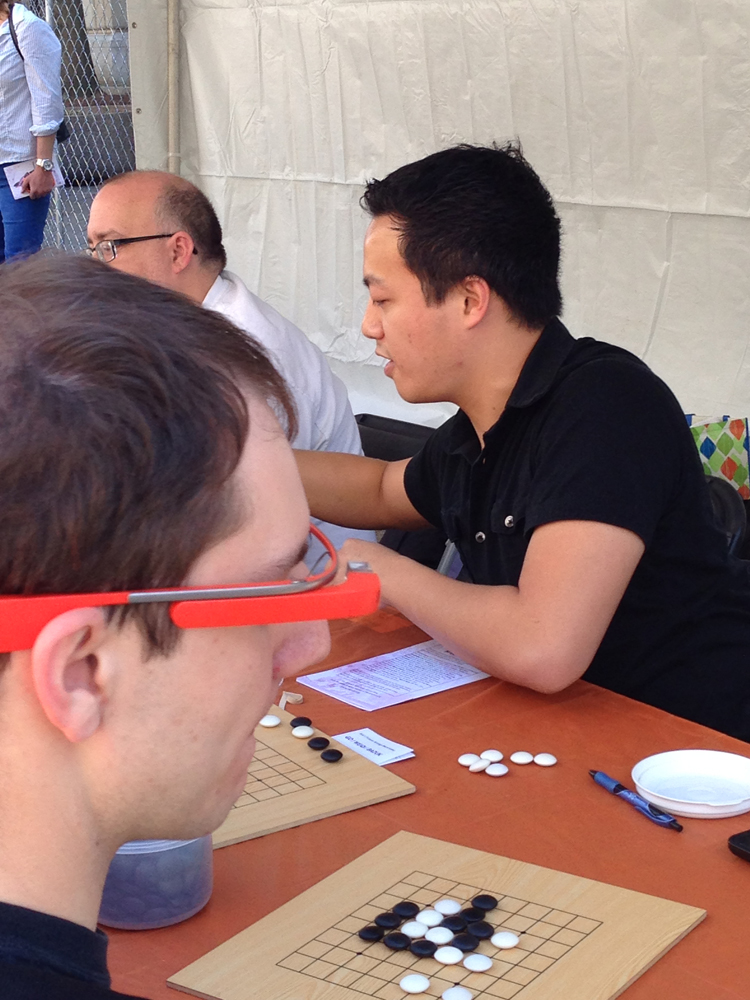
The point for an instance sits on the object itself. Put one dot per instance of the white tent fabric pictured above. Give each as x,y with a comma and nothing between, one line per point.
634,112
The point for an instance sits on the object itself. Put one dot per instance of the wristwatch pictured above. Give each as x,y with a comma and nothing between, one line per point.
45,164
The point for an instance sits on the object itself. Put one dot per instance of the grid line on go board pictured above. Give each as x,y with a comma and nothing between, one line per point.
339,956
271,775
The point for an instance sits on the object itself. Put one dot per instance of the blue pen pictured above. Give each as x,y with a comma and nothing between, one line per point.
649,811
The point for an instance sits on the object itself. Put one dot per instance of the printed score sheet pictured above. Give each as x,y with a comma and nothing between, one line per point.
392,678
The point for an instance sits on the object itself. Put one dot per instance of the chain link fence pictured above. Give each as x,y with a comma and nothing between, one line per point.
96,94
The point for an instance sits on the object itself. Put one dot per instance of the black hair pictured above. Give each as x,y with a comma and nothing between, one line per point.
476,211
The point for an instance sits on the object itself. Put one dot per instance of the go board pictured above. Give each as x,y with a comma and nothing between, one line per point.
578,939
288,785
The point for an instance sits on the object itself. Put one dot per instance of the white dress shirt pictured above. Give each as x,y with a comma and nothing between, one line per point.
326,421
30,92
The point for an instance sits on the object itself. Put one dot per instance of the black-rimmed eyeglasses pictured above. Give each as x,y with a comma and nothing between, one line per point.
106,250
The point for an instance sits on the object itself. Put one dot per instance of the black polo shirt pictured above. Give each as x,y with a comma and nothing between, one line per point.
47,958
590,433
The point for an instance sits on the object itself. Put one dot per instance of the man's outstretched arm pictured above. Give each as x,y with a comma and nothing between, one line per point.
542,634
357,492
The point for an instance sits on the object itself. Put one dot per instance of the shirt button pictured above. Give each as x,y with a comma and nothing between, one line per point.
509,522
480,536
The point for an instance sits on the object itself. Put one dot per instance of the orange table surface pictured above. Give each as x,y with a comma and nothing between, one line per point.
556,817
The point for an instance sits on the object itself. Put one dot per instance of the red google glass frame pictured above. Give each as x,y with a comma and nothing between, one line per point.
311,599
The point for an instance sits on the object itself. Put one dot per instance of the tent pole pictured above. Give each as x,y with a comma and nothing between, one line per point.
173,85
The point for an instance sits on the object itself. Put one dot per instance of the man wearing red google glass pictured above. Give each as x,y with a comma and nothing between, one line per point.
147,495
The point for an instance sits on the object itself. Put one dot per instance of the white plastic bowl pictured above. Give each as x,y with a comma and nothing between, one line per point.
708,784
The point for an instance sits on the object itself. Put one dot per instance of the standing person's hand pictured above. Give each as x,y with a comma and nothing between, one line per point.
38,183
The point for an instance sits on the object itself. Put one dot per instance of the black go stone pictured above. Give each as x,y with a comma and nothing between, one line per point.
371,933
481,929
465,942
301,720
318,743
470,914
389,920
406,910
484,902
422,948
455,923
397,941
331,756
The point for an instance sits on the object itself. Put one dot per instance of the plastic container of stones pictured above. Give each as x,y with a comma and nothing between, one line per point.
155,883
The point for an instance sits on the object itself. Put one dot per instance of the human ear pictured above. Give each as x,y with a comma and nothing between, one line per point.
476,294
183,250
66,671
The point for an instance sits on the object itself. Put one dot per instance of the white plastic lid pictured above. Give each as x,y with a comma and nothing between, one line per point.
153,846
701,783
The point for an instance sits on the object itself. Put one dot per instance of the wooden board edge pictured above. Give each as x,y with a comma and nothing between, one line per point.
701,916
394,793
189,992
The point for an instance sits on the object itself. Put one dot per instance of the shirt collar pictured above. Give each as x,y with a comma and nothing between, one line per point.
39,939
542,365
537,377
216,292
462,439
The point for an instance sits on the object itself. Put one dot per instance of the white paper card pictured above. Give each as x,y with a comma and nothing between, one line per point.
374,746
15,172
392,678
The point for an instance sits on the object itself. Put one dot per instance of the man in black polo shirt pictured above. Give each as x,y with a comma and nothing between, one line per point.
568,479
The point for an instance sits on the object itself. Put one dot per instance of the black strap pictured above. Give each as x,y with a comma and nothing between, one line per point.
13,34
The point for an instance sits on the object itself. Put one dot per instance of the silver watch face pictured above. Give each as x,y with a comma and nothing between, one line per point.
45,164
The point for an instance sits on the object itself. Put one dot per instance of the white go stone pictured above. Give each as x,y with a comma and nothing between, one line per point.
303,732
448,956
431,918
467,758
414,929
545,759
496,770
522,757
447,907
479,765
269,721
477,963
414,983
456,993
493,756
504,939
439,935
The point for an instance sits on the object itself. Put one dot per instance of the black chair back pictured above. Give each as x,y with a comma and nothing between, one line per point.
389,439
729,512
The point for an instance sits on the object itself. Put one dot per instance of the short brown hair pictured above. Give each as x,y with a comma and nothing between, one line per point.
182,205
122,420
186,207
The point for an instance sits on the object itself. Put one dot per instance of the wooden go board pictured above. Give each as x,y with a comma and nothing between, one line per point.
288,785
578,939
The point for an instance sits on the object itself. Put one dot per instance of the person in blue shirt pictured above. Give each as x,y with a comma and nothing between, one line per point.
31,112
